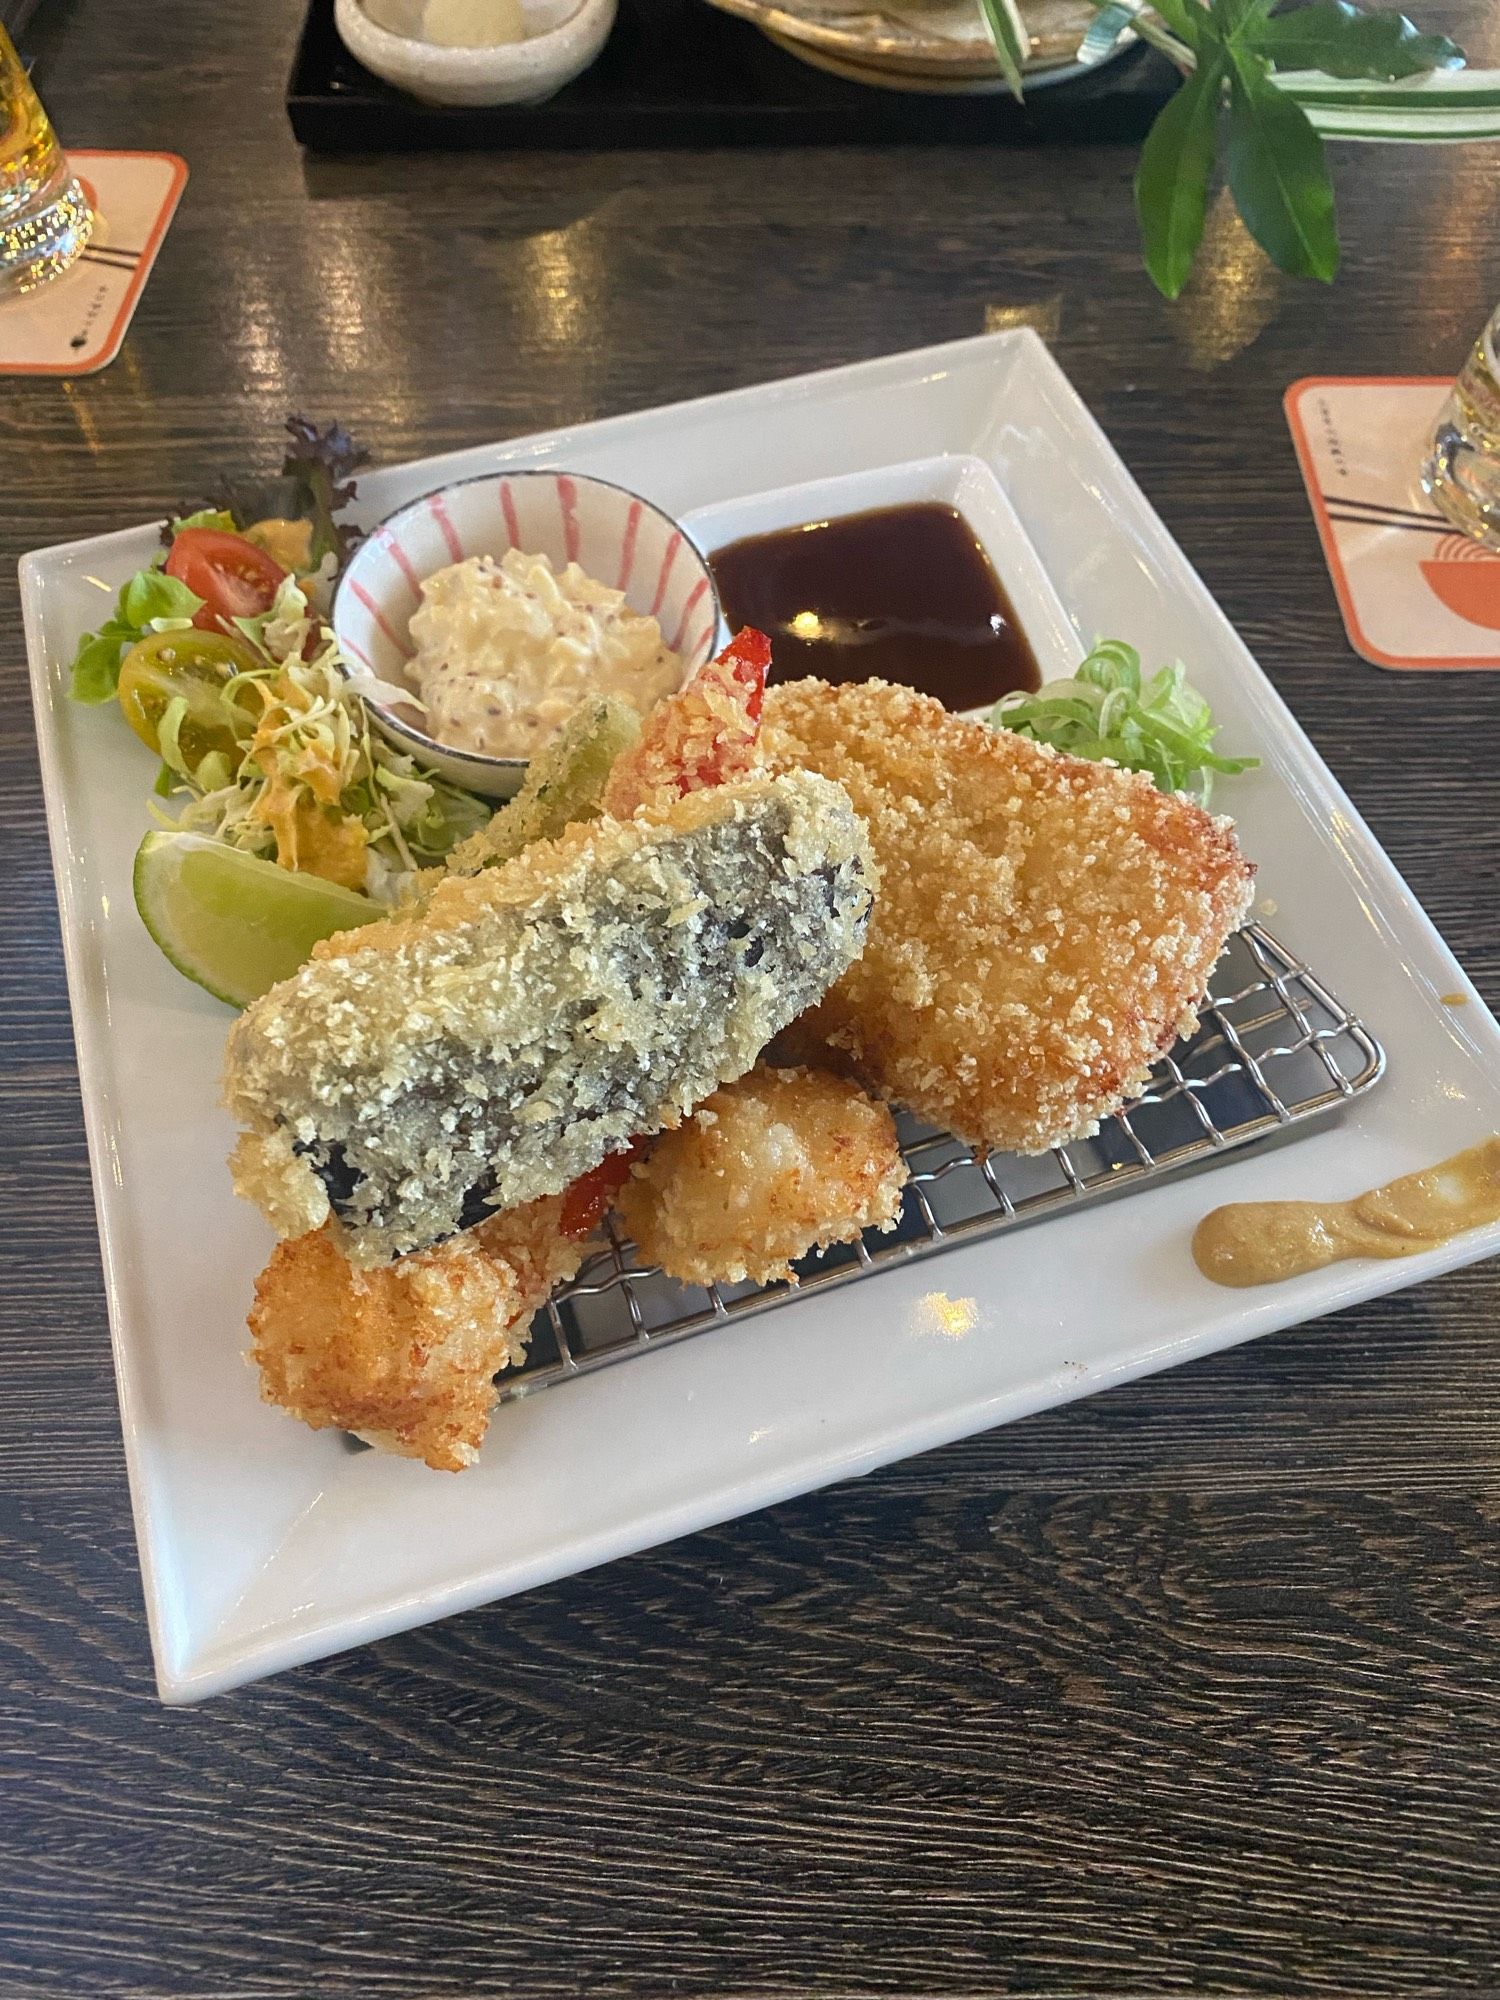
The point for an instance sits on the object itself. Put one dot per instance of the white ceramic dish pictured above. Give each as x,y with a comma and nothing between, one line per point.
526,72
263,1544
959,480
617,538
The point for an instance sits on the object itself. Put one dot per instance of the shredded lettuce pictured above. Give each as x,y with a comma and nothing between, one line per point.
152,601
1106,712
312,765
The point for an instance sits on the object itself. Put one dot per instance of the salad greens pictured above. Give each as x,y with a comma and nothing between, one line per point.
320,469
260,733
150,602
1107,711
315,484
309,783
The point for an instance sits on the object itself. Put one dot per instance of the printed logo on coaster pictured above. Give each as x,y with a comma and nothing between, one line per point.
75,324
1413,591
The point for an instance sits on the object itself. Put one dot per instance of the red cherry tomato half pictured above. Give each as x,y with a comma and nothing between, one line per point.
234,578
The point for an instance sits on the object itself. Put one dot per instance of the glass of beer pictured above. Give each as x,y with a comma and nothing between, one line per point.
1462,475
45,218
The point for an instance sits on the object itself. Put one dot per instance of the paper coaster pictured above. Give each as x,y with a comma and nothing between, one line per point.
1413,591
75,324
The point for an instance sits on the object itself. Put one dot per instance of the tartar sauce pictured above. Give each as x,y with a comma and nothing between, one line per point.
506,651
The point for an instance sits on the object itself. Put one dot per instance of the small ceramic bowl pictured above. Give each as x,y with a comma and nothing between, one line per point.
612,534
525,72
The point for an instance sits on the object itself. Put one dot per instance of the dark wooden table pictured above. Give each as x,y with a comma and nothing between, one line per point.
1187,1688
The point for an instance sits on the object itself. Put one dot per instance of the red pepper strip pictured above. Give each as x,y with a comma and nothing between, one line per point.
591,1196
702,736
747,659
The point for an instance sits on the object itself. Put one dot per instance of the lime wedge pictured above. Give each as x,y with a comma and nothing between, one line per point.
235,924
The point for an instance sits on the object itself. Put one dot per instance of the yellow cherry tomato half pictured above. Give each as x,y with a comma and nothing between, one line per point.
197,666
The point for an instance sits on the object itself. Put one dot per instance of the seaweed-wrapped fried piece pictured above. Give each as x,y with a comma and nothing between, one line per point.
420,1074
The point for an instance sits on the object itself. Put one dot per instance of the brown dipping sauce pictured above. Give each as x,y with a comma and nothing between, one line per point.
902,594
1261,1242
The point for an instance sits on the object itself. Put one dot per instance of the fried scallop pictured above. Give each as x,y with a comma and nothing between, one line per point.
406,1356
1046,927
420,1074
782,1162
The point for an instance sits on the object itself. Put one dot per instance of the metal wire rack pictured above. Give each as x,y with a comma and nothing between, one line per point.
1274,1049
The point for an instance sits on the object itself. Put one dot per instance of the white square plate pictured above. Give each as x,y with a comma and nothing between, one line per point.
264,1544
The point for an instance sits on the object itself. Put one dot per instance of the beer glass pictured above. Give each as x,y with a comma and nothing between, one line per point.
1463,473
45,218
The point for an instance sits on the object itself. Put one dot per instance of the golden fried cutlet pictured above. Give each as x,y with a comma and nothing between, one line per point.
782,1162
407,1355
1045,929
419,1074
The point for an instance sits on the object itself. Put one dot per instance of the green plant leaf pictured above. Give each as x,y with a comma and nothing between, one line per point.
1012,41
1344,40
1430,99
1441,108
1171,182
1278,175
1233,18
1185,18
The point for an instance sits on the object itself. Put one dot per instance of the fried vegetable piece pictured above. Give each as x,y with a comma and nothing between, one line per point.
564,786
780,1163
1046,927
704,736
421,1072
407,1355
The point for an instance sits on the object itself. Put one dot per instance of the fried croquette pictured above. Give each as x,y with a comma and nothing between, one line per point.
406,1356
1045,929
418,1075
780,1163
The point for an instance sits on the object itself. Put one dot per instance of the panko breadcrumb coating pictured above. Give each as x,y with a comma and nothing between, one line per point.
780,1163
1046,928
422,1073
406,1356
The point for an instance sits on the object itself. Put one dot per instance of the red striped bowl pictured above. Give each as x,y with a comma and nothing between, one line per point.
615,536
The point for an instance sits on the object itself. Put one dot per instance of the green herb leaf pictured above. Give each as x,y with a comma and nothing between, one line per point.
96,665
1171,181
1163,727
153,594
1344,40
1278,175
1012,42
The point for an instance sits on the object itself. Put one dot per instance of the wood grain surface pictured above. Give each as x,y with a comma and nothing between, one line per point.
1186,1689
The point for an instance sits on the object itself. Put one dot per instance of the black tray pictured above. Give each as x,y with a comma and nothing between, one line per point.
679,73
